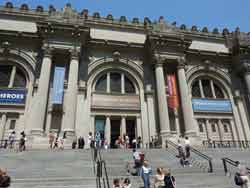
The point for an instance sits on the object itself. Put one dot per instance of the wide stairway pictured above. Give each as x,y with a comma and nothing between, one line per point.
74,168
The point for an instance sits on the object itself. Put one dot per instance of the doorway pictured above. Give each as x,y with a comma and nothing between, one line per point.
130,129
115,131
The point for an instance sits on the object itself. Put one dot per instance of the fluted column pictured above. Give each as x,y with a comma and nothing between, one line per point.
108,130
162,101
186,103
138,127
246,71
71,102
2,126
40,108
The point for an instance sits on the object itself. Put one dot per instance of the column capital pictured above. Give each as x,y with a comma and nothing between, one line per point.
74,54
47,51
181,63
245,66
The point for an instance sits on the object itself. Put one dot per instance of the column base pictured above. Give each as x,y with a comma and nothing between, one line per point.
37,132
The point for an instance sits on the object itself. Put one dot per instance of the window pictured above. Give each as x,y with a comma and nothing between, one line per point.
115,82
196,90
207,88
12,124
12,77
225,128
201,127
213,128
101,84
129,86
218,92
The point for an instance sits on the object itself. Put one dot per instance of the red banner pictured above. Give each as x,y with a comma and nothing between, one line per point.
171,91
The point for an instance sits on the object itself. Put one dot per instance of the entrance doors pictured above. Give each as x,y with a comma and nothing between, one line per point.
115,132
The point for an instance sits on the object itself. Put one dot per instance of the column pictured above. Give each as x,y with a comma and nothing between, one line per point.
48,122
72,91
123,126
207,128
246,70
108,82
221,130
2,126
233,130
151,113
40,108
244,122
12,77
212,88
201,89
186,104
138,126
92,125
123,83
108,129
162,102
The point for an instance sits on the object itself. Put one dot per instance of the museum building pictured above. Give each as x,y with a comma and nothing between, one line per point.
65,71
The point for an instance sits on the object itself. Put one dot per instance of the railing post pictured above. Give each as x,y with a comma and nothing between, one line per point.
224,165
166,143
210,166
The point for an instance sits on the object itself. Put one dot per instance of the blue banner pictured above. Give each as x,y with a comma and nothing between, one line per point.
58,85
12,96
211,105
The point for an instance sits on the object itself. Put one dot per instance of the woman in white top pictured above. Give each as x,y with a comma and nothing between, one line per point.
159,178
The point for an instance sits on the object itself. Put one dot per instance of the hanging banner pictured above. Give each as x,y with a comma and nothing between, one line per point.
171,90
211,105
13,96
58,85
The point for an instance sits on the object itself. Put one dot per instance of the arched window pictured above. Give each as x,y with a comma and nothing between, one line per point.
196,89
207,88
12,77
101,84
118,83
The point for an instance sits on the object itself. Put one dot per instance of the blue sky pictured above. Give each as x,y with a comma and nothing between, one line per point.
210,13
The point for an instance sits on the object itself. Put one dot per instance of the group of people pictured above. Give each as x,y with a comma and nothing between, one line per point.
125,142
184,152
80,141
162,179
4,179
56,140
13,143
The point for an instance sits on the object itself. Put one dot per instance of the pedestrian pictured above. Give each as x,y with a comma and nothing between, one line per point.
4,179
241,176
97,139
181,154
51,139
139,144
74,143
106,145
145,173
187,147
116,183
55,143
90,140
127,141
126,183
12,137
137,160
159,178
22,142
61,142
169,180
134,143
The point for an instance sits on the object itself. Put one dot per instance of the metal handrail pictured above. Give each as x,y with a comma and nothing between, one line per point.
195,151
102,180
227,160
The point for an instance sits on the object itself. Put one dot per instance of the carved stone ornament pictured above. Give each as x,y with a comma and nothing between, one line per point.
181,63
74,53
47,51
6,47
116,56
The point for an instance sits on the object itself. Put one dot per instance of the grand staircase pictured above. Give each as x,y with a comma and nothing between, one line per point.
74,168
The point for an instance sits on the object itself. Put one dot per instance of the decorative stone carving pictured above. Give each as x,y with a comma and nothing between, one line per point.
116,56
162,26
245,65
74,53
6,47
181,63
47,51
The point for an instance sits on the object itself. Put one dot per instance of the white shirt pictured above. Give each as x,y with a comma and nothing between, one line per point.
187,142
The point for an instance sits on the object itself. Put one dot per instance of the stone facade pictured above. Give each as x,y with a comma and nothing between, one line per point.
138,78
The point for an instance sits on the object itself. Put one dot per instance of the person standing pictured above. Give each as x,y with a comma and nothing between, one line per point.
241,177
187,147
22,146
12,137
169,180
127,141
4,179
74,143
97,139
159,178
51,139
145,173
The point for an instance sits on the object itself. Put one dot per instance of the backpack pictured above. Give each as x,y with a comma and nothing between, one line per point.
238,180
5,181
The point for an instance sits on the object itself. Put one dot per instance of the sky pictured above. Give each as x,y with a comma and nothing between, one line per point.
209,13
